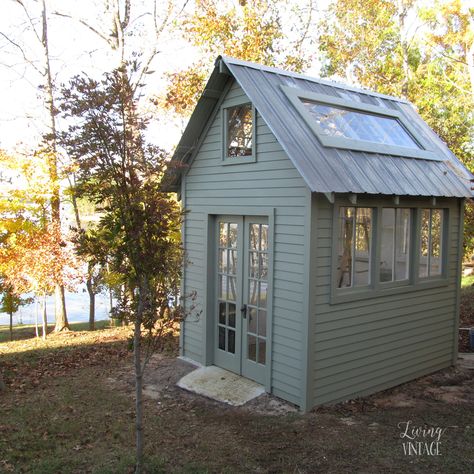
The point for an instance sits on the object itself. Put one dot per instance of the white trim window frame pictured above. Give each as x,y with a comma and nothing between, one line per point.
296,96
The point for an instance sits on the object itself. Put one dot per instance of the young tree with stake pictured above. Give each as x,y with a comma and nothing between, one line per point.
121,173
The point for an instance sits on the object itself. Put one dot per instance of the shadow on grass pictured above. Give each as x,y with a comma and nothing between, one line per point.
27,331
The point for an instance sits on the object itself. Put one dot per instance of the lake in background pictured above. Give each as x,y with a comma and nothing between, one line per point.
77,307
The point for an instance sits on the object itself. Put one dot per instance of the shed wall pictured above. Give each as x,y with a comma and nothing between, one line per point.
363,346
271,182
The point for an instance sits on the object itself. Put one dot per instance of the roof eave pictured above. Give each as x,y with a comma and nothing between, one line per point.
205,106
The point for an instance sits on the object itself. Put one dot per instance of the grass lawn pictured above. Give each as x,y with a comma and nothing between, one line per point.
467,281
466,316
27,331
68,408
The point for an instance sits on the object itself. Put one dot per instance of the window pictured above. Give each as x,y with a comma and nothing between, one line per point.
351,125
395,244
346,123
354,254
379,249
431,243
239,133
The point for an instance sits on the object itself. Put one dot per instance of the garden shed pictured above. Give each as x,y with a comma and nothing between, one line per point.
323,232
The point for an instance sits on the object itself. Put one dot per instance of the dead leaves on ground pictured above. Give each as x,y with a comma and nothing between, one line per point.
30,363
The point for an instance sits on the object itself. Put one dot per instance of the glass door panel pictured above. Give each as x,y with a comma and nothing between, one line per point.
227,285
241,294
228,291
255,296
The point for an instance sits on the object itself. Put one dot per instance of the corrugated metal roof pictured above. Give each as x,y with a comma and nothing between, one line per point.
328,169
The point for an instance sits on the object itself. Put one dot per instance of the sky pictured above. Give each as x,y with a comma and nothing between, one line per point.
74,50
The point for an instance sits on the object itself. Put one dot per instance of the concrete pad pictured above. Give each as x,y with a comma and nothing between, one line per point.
221,385
466,360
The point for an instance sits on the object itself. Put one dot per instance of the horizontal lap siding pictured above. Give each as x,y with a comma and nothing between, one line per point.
271,182
363,346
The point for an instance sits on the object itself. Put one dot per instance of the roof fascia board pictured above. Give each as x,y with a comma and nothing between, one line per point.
326,82
294,95
213,115
452,159
282,143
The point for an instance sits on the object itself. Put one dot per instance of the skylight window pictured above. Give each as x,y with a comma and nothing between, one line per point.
355,125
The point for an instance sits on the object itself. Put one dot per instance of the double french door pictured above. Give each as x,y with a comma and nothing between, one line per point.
240,325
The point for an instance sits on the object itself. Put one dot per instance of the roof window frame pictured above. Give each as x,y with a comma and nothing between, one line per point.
425,152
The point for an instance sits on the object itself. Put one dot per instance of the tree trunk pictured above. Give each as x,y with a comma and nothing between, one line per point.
139,369
402,15
470,46
45,317
36,320
60,302
470,64
90,290
60,309
11,326
2,384
138,394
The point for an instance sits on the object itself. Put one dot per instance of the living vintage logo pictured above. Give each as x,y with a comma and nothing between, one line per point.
420,440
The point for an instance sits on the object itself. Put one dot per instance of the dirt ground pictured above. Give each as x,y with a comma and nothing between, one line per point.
270,435
72,412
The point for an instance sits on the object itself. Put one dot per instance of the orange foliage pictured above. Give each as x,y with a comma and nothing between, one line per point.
38,260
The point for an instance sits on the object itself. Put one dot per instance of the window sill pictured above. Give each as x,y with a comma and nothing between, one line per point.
238,160
345,296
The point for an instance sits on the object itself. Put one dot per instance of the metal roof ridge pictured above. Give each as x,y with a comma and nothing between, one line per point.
318,80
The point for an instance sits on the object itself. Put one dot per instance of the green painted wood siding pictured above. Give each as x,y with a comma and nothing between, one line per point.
271,182
364,346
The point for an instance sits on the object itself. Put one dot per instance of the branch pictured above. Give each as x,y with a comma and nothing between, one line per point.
20,2
159,28
22,51
21,76
126,18
84,23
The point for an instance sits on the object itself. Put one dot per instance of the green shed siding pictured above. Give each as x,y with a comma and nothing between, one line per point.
270,182
362,346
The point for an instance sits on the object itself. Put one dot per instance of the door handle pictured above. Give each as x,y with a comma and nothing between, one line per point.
243,311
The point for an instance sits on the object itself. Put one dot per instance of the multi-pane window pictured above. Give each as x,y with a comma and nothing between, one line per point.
358,125
257,288
392,243
431,243
395,244
239,131
354,247
353,125
227,285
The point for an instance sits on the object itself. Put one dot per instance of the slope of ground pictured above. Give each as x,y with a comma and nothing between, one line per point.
69,408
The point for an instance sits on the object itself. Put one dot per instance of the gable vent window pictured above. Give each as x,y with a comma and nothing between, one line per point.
239,131
351,124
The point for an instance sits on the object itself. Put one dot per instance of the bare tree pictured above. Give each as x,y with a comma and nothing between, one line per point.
121,22
37,25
